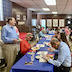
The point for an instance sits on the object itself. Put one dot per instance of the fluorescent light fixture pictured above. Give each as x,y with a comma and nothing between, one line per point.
50,2
31,9
46,9
54,12
69,17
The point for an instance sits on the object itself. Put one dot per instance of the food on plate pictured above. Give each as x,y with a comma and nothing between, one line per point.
35,48
50,56
28,63
48,43
42,60
37,57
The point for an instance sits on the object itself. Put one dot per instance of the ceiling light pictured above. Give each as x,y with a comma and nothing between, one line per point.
50,2
54,12
69,17
46,9
31,9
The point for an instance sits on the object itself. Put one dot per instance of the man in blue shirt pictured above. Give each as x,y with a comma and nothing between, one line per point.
10,39
63,63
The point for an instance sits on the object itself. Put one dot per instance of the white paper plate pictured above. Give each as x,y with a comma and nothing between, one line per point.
35,48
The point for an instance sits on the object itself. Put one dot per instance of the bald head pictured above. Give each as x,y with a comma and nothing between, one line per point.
55,42
9,18
11,21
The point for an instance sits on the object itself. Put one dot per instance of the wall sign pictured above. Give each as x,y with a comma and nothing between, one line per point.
24,17
17,17
21,22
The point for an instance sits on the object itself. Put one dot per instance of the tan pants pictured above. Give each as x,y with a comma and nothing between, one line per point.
10,52
67,37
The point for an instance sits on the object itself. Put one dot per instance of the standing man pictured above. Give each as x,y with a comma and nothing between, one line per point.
63,63
10,39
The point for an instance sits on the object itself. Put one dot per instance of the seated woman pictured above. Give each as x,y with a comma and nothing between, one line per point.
25,45
42,33
56,34
62,37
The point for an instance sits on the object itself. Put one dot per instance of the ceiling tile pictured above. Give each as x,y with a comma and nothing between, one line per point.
62,7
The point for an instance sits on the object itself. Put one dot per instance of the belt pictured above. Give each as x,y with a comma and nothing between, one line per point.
9,43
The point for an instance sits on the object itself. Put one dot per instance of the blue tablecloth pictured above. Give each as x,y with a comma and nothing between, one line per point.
36,66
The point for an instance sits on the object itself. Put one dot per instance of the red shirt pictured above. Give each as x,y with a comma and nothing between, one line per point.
24,46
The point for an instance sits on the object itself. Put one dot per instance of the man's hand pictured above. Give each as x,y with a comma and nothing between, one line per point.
15,40
19,39
51,49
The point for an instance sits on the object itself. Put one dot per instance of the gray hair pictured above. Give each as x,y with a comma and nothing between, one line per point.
54,40
29,34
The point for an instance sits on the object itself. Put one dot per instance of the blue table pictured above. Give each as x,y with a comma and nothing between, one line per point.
36,66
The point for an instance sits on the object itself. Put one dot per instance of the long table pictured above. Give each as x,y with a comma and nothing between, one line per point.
36,66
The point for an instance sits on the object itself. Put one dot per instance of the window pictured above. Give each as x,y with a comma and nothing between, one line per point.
43,23
33,22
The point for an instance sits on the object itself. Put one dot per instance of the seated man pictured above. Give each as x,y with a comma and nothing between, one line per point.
63,63
25,45
41,33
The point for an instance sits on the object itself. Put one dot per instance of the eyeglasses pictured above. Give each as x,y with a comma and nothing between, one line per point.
30,37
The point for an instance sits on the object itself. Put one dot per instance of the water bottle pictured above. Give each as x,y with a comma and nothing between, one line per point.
32,56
